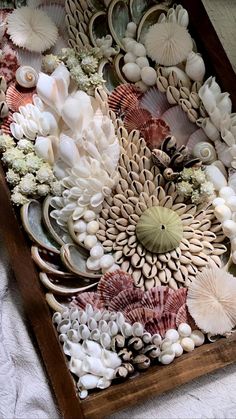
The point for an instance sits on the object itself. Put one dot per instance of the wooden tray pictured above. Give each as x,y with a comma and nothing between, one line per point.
157,379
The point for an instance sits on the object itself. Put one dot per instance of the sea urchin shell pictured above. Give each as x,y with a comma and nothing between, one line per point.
159,229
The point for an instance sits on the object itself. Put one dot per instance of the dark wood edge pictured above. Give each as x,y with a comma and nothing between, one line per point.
209,45
119,396
36,307
161,378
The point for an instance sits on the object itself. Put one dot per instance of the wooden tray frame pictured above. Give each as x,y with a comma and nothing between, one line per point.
157,379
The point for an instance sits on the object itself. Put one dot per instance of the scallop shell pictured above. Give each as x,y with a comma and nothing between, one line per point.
112,283
5,126
175,301
198,136
183,316
141,315
166,322
135,118
126,300
159,229
180,126
16,98
85,298
26,76
124,97
154,132
155,102
156,298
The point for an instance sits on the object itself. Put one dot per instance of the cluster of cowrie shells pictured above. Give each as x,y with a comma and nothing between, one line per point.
141,186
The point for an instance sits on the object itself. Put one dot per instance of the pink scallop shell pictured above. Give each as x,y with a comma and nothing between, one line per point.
175,301
154,131
167,321
156,298
112,283
155,102
180,126
126,300
16,98
88,298
124,97
141,314
135,118
195,138
183,316
5,126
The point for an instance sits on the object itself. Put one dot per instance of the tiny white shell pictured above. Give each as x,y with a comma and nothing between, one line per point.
231,203
80,226
97,251
89,215
142,62
132,27
148,76
216,177
167,357
110,359
106,261
177,348
129,58
81,237
93,264
187,344
172,335
222,213
198,337
88,382
156,339
132,72
218,201
195,67
139,50
226,192
229,228
166,344
92,227
184,330
26,76
90,241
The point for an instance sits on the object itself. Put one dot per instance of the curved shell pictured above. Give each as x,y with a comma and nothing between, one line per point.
26,76
118,19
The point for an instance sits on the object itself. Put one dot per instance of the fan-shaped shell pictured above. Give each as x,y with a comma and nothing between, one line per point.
167,321
175,300
16,98
198,136
180,126
155,102
126,300
85,298
183,316
135,118
156,298
141,315
112,283
154,132
124,97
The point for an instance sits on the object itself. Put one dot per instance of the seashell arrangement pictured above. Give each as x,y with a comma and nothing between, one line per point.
122,158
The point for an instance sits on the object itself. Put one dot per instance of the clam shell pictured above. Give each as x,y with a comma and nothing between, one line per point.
123,98
135,118
49,263
175,300
156,298
140,314
108,71
154,131
180,126
85,298
59,235
62,289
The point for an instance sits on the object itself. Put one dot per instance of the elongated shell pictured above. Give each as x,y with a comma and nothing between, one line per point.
195,67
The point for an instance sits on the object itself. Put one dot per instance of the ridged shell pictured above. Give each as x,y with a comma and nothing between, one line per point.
16,98
167,321
159,229
183,316
156,298
135,118
180,126
154,131
88,298
126,300
175,301
155,102
124,97
112,283
141,315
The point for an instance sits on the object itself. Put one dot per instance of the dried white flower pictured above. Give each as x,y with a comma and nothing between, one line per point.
18,198
31,29
33,162
11,155
89,64
45,174
28,185
56,188
25,145
6,142
20,166
50,63
12,177
43,190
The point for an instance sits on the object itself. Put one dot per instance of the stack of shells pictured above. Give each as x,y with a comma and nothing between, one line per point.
4,110
102,346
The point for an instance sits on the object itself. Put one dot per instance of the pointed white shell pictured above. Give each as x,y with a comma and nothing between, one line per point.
195,67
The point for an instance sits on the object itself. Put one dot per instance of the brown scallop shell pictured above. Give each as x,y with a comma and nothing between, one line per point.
154,131
88,298
175,301
167,321
5,126
136,118
183,316
141,315
124,97
16,98
126,300
112,283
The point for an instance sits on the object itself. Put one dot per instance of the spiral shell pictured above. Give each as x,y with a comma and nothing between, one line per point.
26,76
205,151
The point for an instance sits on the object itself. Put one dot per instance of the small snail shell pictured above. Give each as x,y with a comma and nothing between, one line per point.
26,76
205,151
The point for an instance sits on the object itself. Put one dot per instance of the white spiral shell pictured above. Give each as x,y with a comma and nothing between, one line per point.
26,76
205,151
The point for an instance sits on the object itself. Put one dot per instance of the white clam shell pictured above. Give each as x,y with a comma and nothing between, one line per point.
26,76
75,366
93,366
103,383
110,359
92,348
73,349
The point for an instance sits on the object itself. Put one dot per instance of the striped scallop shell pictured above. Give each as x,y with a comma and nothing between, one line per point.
135,118
141,314
154,131
167,321
183,316
155,102
112,283
85,298
175,300
124,97
156,298
5,126
126,300
16,98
